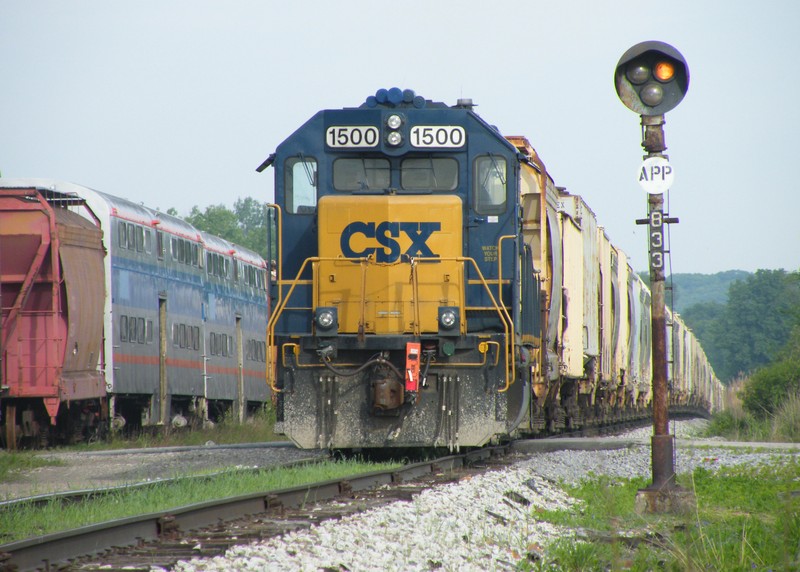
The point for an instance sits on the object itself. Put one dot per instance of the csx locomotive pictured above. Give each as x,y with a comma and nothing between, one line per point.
435,288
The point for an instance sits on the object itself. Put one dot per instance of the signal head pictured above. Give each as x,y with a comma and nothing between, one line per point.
651,78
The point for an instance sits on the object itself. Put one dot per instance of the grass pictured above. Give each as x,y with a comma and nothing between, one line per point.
735,424
257,428
13,461
747,518
27,520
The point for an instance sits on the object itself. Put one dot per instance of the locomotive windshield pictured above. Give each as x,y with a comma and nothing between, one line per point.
361,174
428,173
416,174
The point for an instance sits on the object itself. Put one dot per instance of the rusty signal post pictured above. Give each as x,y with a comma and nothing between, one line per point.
652,78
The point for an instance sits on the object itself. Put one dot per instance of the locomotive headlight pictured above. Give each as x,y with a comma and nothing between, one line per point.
394,121
394,138
326,319
448,321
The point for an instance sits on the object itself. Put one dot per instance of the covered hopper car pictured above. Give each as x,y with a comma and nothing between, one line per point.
435,288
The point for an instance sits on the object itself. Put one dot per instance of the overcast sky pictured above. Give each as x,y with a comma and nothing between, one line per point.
175,103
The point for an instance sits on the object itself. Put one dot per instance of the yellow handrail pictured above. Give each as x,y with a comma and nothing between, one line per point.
508,323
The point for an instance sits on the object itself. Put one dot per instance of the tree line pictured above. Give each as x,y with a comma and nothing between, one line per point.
754,336
245,225
754,325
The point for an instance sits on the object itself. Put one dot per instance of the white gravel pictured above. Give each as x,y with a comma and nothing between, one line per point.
488,522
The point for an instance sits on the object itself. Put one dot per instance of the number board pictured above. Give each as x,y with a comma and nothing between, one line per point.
446,136
657,243
350,136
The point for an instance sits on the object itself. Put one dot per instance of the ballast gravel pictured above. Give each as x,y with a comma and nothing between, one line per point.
487,522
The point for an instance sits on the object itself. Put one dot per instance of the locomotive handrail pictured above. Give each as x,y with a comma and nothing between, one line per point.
279,307
500,266
508,324
483,348
278,233
278,276
415,289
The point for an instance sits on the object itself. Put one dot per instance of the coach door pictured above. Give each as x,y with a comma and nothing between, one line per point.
240,371
162,360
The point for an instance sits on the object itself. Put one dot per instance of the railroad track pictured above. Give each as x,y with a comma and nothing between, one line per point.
209,528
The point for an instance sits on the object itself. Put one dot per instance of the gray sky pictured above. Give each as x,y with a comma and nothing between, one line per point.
175,103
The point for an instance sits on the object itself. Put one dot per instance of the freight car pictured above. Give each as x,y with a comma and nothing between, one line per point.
435,288
117,314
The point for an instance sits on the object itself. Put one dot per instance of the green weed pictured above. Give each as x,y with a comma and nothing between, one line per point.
747,518
25,521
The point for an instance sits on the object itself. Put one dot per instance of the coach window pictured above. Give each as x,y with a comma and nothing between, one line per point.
160,244
490,185
123,328
123,235
174,248
139,239
429,174
131,236
361,174
148,241
140,333
132,335
301,185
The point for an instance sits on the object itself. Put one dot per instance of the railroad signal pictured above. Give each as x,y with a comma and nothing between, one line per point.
651,78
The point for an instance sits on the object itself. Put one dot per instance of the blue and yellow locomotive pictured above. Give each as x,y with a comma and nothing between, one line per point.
420,296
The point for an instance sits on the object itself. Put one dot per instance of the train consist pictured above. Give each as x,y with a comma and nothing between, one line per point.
114,314
435,288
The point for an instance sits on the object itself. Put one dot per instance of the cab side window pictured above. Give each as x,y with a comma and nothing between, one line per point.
300,186
490,182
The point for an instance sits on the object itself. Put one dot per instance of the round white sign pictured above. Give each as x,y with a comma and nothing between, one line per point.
656,175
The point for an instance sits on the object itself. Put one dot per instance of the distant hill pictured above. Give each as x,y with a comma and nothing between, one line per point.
691,289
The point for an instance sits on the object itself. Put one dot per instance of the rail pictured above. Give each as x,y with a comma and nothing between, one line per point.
52,550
